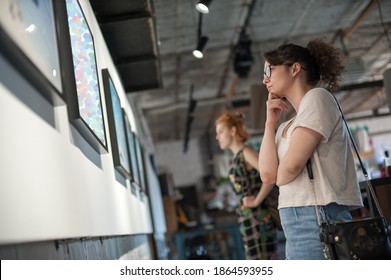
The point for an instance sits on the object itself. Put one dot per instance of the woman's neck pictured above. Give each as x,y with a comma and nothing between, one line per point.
236,147
298,94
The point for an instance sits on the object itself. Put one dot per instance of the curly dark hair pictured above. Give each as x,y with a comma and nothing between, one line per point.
320,60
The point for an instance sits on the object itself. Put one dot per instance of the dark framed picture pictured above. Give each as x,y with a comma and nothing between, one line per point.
140,163
132,150
133,157
29,40
116,121
144,189
80,74
153,162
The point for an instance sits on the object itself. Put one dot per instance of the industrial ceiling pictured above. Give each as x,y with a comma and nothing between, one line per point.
180,96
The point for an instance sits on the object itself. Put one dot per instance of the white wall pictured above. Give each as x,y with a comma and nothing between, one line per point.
50,187
156,201
187,168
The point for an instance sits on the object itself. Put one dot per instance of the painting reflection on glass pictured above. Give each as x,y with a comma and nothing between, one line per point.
135,181
31,27
119,145
140,162
132,151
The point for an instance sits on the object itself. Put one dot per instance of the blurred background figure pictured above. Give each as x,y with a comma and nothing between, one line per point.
257,228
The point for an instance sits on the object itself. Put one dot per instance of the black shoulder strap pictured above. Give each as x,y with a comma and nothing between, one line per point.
369,184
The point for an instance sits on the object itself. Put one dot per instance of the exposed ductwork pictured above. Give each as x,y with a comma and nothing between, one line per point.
129,30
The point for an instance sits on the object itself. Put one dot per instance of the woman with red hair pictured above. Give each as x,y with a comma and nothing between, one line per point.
256,226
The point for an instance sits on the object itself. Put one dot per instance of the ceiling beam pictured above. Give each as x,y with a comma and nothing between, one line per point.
358,21
200,102
371,84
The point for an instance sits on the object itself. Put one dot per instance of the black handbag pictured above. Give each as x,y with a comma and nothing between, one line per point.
360,239
364,239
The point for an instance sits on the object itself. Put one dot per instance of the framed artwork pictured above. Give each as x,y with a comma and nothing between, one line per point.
80,74
140,162
145,175
154,164
132,151
133,157
29,39
116,121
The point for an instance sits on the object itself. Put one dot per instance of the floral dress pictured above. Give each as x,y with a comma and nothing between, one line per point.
256,226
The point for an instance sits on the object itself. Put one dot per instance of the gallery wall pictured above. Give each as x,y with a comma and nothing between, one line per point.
53,183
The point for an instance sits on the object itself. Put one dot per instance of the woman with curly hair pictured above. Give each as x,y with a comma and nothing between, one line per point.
298,76
256,226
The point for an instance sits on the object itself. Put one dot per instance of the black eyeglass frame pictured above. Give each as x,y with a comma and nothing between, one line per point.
267,72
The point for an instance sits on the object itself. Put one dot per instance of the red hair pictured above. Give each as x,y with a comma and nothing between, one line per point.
236,121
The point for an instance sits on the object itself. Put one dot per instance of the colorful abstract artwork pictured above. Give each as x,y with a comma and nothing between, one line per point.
85,70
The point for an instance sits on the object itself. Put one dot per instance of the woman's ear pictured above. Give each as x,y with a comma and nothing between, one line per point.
233,131
296,68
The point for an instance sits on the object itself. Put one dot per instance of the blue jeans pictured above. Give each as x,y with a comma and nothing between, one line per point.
301,229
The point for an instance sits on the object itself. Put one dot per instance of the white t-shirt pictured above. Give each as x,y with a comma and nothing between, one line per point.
332,162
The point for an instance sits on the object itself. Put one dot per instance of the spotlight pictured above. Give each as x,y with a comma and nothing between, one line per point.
203,5
200,46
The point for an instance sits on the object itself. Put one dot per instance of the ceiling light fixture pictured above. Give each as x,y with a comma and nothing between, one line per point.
243,59
203,6
200,47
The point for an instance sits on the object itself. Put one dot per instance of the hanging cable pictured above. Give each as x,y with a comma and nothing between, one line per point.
189,119
244,59
201,40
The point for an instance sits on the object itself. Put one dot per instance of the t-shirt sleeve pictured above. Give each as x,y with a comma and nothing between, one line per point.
318,111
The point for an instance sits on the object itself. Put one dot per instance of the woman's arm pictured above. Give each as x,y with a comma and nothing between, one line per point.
251,201
251,157
303,142
268,158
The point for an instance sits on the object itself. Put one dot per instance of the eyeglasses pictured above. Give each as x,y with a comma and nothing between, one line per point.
267,72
